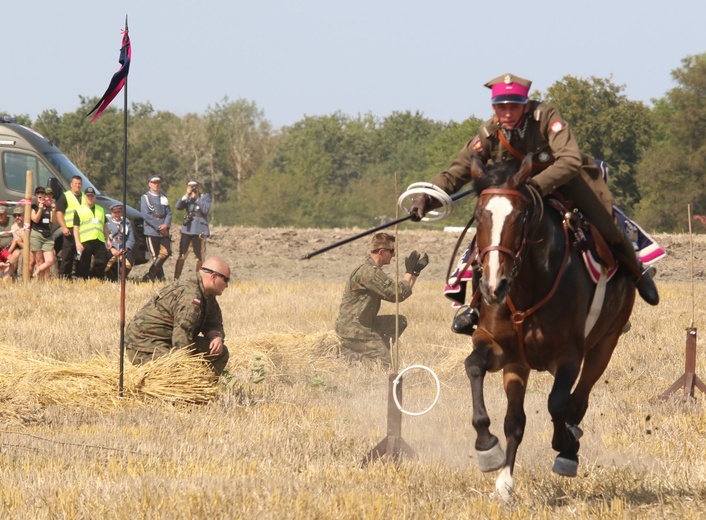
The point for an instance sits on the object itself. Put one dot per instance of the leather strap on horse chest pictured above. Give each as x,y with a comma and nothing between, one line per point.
518,317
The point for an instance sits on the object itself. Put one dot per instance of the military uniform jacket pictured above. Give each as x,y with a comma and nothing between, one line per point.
174,317
155,211
198,209
115,232
557,159
366,288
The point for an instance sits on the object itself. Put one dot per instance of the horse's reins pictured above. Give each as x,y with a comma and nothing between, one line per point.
518,317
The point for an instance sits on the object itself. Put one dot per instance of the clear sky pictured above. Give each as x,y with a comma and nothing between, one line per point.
313,57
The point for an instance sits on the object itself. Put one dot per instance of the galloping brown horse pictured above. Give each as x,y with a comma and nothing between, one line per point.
540,310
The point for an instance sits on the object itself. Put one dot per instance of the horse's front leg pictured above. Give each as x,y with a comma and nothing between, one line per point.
564,440
490,454
515,382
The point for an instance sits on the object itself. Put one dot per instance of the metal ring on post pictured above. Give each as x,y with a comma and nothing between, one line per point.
432,191
397,380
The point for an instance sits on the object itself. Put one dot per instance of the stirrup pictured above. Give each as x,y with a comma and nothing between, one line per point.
465,321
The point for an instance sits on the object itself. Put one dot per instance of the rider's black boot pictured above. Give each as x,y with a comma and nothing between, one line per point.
465,321
646,286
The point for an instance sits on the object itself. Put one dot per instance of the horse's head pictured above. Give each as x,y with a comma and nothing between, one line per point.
502,215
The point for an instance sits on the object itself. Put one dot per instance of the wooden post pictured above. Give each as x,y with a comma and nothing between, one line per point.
25,234
688,379
393,446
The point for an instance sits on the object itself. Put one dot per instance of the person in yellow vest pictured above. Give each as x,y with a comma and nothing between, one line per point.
90,231
65,211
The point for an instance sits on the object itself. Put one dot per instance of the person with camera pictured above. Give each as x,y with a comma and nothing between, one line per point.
195,229
365,336
41,241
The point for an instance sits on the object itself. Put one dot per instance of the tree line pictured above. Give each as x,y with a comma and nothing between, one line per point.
343,171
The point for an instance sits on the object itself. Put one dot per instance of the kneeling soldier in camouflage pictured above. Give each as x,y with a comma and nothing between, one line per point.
176,316
364,334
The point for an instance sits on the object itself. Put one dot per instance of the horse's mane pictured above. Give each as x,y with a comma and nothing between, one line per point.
496,175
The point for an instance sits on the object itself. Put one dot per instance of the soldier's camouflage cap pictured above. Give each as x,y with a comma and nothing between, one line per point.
509,88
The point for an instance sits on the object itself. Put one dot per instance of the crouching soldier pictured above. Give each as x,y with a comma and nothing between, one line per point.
184,314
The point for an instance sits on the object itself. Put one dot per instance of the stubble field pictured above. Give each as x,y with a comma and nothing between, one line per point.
284,434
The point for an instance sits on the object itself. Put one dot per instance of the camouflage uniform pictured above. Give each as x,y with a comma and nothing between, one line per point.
364,334
173,318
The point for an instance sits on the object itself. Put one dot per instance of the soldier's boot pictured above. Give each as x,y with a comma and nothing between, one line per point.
159,266
465,321
178,268
646,285
156,272
466,318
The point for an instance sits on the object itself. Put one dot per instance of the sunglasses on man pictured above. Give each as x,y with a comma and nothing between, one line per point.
226,279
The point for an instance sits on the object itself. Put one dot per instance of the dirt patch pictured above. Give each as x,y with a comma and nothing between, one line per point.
275,253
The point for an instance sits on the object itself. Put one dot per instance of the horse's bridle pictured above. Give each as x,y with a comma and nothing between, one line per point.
518,317
515,255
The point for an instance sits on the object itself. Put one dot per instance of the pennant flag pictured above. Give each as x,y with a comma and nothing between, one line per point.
118,81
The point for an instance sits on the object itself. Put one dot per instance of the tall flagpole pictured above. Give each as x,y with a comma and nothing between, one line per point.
121,260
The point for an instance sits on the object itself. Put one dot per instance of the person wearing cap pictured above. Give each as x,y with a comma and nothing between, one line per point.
365,336
184,314
157,217
65,209
116,244
195,229
520,127
90,235
41,241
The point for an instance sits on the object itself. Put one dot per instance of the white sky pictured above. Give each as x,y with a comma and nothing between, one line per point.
314,57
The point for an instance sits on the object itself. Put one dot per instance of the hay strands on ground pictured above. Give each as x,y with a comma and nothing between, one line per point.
179,377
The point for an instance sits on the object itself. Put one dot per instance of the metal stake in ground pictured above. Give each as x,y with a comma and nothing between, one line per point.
393,446
688,379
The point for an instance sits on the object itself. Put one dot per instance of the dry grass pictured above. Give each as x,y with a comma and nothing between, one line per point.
283,434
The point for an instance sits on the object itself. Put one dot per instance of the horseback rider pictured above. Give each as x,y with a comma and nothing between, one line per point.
520,127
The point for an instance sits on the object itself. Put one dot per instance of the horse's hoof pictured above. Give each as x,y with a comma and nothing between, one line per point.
575,430
491,459
505,485
565,467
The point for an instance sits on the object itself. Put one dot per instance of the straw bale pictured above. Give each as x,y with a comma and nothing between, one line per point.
286,356
28,382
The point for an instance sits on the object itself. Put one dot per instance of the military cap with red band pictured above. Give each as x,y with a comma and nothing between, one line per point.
509,88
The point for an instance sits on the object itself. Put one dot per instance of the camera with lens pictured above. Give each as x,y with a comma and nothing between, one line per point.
188,217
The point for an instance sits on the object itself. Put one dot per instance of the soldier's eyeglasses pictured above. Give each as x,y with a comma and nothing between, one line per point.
388,249
226,279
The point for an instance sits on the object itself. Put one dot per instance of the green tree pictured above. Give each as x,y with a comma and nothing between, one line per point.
242,137
607,126
673,171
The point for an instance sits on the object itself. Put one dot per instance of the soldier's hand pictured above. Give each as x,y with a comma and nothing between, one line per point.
216,346
418,207
411,262
421,264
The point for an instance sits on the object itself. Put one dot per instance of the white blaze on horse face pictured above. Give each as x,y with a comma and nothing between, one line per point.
499,208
